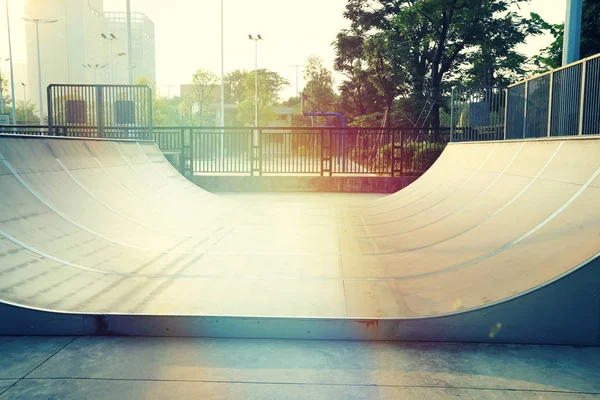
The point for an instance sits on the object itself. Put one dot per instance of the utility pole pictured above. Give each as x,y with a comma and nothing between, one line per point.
297,67
129,45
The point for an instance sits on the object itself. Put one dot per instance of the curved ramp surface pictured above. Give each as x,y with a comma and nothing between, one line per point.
497,241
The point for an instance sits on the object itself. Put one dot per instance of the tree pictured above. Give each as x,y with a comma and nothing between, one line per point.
27,113
235,86
413,48
319,84
200,95
551,56
269,85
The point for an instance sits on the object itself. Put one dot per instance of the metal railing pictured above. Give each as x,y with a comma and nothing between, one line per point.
101,111
303,151
562,102
477,113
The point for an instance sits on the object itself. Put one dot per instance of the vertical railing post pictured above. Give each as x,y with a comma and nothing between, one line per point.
550,105
149,91
525,97
100,110
322,150
451,114
402,154
182,151
260,152
582,99
506,92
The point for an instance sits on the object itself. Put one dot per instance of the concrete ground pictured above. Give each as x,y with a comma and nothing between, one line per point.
187,368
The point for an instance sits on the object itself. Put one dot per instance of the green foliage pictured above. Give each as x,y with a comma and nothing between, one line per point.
319,83
417,49
235,86
551,56
27,113
269,85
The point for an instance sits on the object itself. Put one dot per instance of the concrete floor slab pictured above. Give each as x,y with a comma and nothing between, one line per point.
5,384
75,389
21,355
496,367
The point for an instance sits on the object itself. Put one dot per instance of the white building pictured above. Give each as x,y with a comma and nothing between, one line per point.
85,45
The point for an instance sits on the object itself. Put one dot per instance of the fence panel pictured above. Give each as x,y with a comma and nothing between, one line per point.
566,101
538,98
515,111
478,113
221,150
100,111
291,151
591,104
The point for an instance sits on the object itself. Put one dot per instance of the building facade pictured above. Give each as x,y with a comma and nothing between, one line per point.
85,45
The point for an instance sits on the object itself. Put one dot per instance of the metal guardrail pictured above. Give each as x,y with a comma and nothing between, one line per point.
100,111
305,151
562,102
477,113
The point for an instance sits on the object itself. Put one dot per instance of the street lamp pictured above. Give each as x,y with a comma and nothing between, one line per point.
2,87
169,87
37,35
25,102
256,39
110,37
95,67
12,70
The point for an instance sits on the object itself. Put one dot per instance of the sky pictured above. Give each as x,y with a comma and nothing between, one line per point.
188,34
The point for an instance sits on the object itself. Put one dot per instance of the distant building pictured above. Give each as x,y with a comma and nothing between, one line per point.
142,42
78,47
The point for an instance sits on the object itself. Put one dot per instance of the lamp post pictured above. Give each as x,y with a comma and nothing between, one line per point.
256,39
2,87
25,102
12,73
129,42
37,23
95,67
110,37
169,87
222,77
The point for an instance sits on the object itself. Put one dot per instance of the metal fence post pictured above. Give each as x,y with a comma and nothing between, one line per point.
550,106
401,153
149,91
582,100
506,92
526,97
452,114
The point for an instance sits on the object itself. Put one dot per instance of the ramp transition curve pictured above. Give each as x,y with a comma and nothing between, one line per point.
498,241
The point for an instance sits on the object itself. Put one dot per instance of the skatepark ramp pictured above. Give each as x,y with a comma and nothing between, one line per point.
497,242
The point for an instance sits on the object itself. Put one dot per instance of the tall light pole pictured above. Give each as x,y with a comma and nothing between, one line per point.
129,45
169,87
12,72
222,75
37,36
297,66
25,102
256,39
95,67
572,39
2,87
110,37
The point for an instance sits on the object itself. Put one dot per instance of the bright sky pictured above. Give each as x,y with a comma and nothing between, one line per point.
188,34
